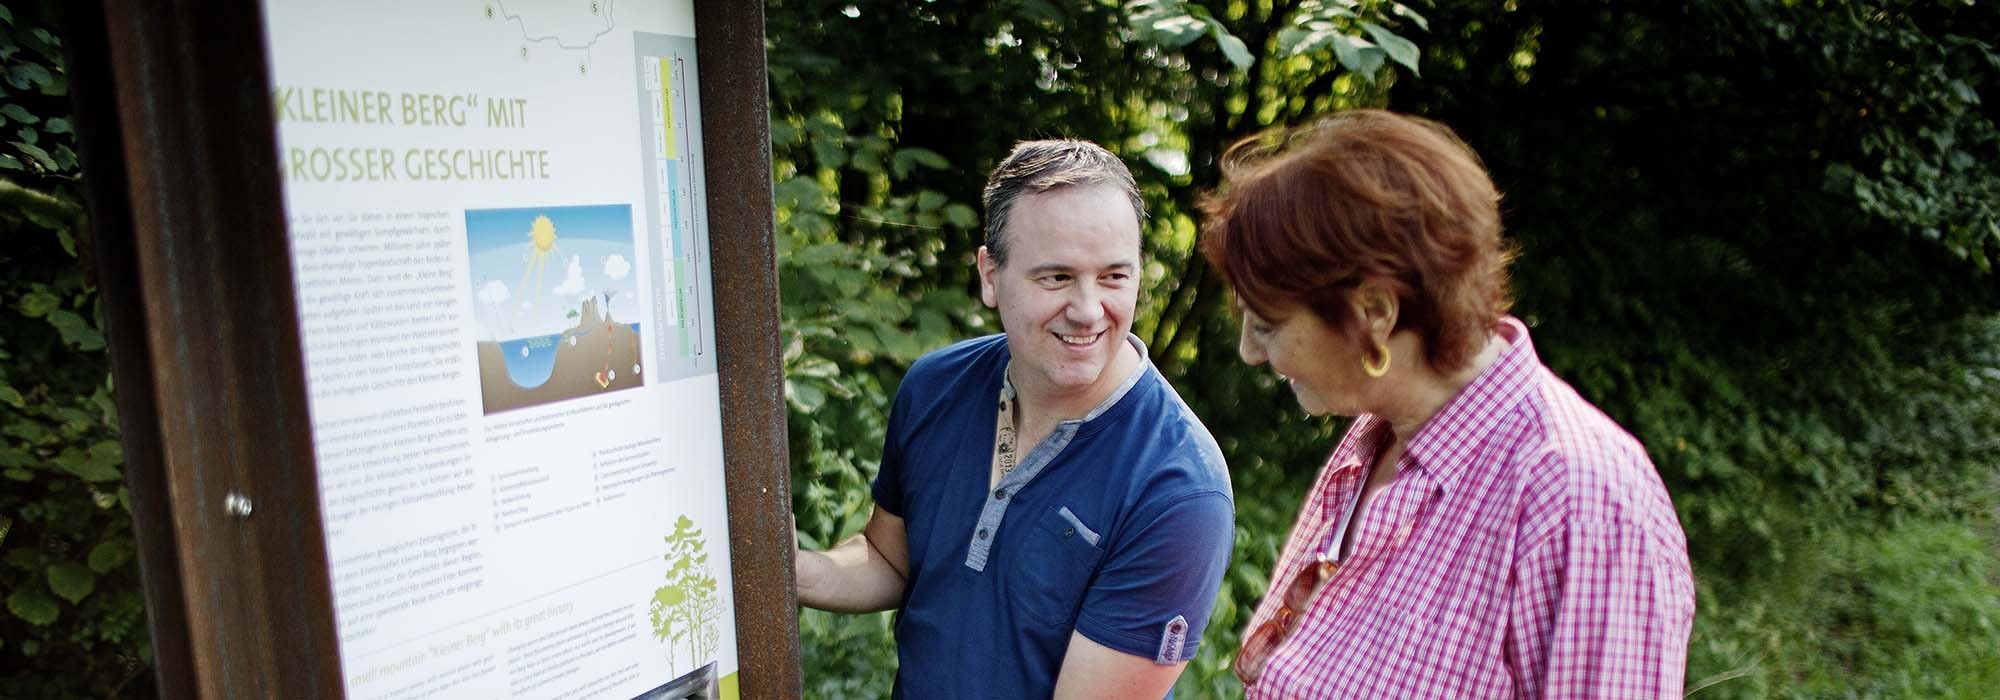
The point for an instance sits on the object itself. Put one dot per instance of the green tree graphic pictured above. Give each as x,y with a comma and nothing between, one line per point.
686,610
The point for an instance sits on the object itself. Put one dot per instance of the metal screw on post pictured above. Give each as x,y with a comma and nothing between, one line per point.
237,505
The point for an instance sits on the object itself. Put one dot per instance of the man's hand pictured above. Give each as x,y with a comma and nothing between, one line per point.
866,573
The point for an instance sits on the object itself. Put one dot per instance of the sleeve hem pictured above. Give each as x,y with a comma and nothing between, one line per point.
1136,645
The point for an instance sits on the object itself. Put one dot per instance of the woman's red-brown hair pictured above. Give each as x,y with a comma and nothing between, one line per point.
1305,215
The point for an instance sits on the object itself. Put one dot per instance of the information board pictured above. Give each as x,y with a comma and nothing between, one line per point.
499,243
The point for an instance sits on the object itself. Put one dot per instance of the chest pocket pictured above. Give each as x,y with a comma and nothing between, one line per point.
1052,567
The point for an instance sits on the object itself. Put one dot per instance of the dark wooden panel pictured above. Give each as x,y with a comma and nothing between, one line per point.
206,342
735,119
117,269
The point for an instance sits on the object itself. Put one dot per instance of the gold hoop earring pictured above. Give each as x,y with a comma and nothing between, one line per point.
1374,370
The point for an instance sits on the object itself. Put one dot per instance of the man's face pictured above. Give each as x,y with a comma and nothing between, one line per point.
1067,292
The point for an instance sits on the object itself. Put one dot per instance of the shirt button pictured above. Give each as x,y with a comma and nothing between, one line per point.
982,533
1000,494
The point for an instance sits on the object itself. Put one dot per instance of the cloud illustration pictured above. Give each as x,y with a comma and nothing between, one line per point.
616,267
493,293
572,283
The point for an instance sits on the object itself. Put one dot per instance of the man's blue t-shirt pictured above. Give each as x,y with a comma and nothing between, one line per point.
1118,526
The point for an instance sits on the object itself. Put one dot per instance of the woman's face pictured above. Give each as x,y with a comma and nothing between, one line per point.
1322,366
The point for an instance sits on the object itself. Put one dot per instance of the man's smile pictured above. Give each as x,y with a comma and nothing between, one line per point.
1080,340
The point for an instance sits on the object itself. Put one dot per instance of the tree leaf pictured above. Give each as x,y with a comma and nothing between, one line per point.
1042,11
67,240
12,396
110,554
1178,31
71,581
56,125
804,397
34,606
1404,11
75,330
38,303
867,161
829,153
18,113
1359,56
906,159
1400,50
801,193
961,216
27,75
108,451
15,457
1289,38
65,158
814,366
783,134
929,200
1351,51
1233,48
86,466
36,152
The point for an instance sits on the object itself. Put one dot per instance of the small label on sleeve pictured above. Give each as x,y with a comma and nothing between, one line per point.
1173,640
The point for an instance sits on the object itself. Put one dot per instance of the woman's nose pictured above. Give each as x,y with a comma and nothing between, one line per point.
1247,346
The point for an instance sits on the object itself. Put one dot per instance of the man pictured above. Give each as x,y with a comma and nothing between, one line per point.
1050,517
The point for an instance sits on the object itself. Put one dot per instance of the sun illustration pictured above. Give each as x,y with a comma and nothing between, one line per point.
541,239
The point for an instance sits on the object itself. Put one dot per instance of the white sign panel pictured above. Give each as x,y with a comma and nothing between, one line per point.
497,227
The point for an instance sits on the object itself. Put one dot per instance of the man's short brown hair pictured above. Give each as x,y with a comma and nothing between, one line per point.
1035,167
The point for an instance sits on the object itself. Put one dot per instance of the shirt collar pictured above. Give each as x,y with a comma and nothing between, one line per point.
1131,380
1445,444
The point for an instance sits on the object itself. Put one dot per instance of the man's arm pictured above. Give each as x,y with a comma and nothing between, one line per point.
864,574
1092,671
1144,613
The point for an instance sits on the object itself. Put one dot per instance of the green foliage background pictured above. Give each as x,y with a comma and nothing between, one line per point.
75,618
1759,234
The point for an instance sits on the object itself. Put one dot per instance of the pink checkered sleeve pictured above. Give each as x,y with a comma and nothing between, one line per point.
1600,612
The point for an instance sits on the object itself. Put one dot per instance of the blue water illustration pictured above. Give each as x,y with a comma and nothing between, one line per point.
530,360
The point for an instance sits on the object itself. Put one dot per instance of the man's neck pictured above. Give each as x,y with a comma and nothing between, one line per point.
1043,405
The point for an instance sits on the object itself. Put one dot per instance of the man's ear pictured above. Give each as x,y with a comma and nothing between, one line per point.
1376,307
987,271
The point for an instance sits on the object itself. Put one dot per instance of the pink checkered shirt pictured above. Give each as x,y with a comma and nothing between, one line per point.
1526,548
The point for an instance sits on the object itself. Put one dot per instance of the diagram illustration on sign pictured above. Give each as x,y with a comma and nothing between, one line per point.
571,28
550,285
674,192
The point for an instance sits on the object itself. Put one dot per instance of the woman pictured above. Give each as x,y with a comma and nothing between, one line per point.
1481,530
